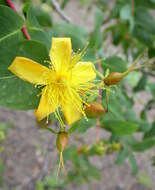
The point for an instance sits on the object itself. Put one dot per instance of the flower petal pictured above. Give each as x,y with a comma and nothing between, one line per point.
60,53
29,70
72,107
83,72
46,105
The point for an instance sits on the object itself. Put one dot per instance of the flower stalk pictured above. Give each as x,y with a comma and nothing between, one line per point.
23,29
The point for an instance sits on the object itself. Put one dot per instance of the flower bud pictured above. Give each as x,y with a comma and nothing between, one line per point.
62,141
113,78
99,148
83,149
116,146
94,109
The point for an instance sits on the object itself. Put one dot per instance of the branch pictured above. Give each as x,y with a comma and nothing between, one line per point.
11,5
133,7
23,29
25,32
60,12
98,124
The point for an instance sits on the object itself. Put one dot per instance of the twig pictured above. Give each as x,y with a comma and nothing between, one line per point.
132,7
25,32
98,124
11,5
23,29
60,12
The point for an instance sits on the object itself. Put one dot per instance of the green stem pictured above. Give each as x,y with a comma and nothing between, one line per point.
51,130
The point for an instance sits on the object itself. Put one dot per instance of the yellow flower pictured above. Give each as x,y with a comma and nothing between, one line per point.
64,83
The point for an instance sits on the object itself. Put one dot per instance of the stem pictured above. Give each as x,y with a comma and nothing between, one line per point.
98,124
60,12
25,32
51,130
132,7
11,5
23,29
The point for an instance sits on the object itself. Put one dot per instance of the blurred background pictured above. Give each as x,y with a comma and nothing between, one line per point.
118,31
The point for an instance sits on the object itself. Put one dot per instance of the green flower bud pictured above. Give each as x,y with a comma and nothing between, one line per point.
99,148
62,141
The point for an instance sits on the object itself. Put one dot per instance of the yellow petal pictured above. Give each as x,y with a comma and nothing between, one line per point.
60,53
72,107
46,106
82,73
29,70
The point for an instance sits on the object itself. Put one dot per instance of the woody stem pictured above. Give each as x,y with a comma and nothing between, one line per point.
98,124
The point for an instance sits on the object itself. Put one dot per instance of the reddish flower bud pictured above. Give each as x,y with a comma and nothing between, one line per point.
94,109
62,141
113,78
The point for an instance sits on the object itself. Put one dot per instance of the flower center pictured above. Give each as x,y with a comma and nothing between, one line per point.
62,79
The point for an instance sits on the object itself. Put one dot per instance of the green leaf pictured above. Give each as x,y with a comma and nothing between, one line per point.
144,26
10,38
33,23
143,3
114,63
10,22
82,125
3,2
34,50
37,16
151,132
148,106
120,107
145,20
126,15
16,93
44,19
122,155
120,128
9,46
31,19
141,84
151,87
78,34
40,35
96,38
133,164
143,145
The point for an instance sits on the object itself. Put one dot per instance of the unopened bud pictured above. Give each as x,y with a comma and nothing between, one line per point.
83,149
94,110
113,78
99,148
62,141
116,146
